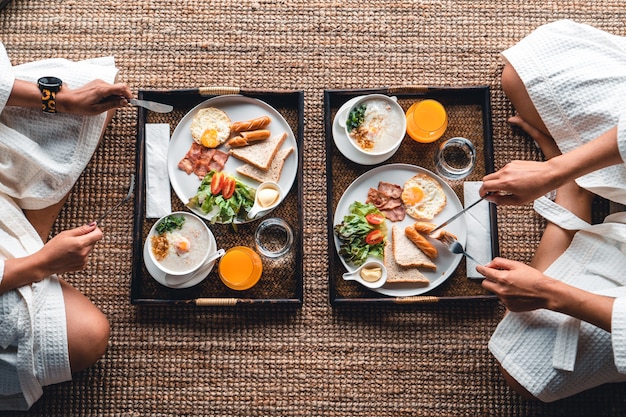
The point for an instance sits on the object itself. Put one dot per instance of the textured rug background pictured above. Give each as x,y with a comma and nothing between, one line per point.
314,360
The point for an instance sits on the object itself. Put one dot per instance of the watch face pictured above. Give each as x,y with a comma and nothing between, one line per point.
50,82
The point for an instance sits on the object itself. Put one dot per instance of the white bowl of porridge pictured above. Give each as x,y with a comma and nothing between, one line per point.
375,124
179,243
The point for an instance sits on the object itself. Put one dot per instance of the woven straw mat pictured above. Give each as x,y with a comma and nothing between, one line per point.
311,360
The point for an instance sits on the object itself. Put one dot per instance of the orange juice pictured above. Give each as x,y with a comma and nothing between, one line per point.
240,268
426,121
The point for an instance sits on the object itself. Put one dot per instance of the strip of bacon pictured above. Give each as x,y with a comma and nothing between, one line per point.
201,160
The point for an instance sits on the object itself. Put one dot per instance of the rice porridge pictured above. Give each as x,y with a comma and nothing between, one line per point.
182,247
377,127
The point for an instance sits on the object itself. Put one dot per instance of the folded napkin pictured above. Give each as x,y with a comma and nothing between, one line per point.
478,228
158,195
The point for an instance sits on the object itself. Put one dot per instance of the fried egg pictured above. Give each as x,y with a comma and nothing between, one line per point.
210,127
178,244
423,197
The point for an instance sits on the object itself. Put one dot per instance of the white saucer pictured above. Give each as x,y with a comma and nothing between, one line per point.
186,280
341,140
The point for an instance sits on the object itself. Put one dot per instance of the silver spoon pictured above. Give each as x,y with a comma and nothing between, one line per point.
122,201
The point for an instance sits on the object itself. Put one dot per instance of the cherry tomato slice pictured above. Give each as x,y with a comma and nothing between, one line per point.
228,189
374,237
217,183
375,218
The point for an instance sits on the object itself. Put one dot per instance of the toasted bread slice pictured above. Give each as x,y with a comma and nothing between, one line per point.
260,154
397,274
273,173
406,253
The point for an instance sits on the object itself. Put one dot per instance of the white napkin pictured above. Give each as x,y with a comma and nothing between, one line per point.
478,228
158,195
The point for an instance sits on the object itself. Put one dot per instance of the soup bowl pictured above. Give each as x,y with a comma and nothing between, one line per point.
375,124
179,243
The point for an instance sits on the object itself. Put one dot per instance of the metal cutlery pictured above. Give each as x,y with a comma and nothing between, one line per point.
453,218
151,105
122,201
455,247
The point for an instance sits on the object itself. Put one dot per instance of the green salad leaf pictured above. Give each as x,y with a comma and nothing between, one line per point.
353,230
219,209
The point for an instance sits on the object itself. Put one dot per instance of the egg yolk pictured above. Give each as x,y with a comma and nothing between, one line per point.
414,195
182,246
209,138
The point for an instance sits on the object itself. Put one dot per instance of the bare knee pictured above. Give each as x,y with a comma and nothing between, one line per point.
88,330
511,82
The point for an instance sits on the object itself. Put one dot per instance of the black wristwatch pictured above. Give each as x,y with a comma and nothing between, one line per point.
49,86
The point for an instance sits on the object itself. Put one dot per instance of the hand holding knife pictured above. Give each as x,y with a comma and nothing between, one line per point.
456,216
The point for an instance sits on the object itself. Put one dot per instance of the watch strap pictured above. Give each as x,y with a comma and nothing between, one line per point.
49,86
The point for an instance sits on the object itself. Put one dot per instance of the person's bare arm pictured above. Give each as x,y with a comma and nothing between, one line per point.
93,98
68,251
520,182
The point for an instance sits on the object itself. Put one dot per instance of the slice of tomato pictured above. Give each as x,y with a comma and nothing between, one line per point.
217,183
228,189
374,237
375,218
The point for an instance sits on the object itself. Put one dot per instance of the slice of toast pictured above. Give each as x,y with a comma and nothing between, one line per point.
272,174
260,154
397,274
406,253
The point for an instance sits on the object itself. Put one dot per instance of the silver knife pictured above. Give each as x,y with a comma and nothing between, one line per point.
152,105
456,216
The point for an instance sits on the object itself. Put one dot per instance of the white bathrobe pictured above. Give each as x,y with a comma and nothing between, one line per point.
576,77
41,156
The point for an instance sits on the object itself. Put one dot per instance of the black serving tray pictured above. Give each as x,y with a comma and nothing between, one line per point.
282,280
469,114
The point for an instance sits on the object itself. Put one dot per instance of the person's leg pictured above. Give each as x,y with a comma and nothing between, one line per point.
87,329
43,219
516,92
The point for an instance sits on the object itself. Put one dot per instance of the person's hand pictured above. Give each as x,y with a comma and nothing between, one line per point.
520,287
93,98
69,250
519,182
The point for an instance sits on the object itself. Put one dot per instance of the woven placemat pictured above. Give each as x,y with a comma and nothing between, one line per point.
313,360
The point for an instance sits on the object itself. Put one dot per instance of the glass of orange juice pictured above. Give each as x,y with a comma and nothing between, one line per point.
426,121
240,268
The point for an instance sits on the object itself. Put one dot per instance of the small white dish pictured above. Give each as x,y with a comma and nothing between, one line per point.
356,275
179,282
262,207
342,141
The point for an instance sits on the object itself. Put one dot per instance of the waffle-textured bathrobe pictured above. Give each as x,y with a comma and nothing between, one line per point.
576,77
41,156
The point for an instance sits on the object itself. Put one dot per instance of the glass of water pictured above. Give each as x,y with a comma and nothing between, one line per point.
455,158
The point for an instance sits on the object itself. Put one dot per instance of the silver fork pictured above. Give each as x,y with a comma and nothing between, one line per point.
122,201
455,247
